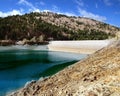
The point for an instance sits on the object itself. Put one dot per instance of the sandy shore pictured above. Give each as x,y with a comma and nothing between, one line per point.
83,46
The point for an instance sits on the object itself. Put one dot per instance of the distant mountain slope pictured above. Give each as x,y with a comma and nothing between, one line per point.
77,23
48,25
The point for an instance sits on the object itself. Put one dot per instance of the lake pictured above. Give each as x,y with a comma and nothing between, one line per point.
20,65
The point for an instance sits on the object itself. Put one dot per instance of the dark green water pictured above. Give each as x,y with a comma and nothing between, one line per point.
20,66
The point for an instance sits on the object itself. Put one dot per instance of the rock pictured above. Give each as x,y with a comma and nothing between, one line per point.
6,42
20,43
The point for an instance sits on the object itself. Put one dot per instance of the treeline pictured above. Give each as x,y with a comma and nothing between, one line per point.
31,25
91,35
28,26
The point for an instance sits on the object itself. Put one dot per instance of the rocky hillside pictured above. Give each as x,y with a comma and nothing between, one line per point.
77,23
96,75
46,26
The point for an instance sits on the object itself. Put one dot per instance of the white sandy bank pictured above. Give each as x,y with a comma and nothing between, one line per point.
83,46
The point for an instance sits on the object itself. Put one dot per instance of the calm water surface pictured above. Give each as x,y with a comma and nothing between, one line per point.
19,66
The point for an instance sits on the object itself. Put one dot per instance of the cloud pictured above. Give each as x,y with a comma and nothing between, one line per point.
80,3
107,2
10,13
60,12
30,5
25,2
87,14
84,13
55,8
69,14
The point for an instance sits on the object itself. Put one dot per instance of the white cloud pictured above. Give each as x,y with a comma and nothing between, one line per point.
36,10
79,2
107,2
10,13
46,10
69,14
87,14
30,5
84,13
55,8
25,2
60,12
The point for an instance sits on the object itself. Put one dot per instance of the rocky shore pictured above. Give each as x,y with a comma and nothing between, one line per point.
96,75
7,42
23,42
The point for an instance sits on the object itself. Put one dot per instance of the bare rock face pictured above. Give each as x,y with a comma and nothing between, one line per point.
96,75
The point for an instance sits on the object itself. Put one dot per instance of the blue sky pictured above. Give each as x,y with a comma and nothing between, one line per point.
103,10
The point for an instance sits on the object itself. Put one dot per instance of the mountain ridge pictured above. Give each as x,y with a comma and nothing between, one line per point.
48,25
78,19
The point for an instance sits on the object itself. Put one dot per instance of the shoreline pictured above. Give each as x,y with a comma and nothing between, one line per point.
95,75
73,50
82,46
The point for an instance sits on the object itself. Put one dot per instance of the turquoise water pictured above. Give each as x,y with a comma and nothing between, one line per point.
20,66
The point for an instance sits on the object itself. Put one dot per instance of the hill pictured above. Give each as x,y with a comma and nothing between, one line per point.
46,26
96,75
